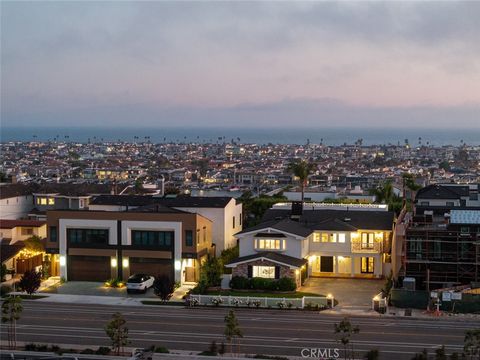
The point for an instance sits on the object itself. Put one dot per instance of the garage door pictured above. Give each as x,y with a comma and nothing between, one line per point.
151,266
88,268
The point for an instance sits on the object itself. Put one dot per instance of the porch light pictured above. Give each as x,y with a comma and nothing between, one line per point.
329,296
297,272
113,262
125,262
178,265
63,261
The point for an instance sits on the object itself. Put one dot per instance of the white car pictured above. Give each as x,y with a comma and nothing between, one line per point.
139,283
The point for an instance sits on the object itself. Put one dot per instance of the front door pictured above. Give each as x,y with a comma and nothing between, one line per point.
189,274
326,264
367,265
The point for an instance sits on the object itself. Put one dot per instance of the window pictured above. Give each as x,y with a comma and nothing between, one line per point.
437,249
188,237
367,265
27,231
270,244
316,237
324,237
425,203
152,238
240,219
51,201
450,203
88,236
53,233
42,201
341,238
333,238
204,234
464,229
198,236
367,240
233,222
267,272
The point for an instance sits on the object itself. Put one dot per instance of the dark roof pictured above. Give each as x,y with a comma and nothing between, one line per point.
157,208
13,190
8,251
276,257
438,191
346,220
286,225
72,189
10,224
179,201
122,200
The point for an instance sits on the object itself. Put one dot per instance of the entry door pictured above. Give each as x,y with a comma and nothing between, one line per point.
190,274
326,264
367,265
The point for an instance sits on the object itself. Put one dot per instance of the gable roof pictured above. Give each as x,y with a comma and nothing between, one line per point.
272,256
437,191
10,224
286,225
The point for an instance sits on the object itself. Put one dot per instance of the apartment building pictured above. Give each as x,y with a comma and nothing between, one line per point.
92,245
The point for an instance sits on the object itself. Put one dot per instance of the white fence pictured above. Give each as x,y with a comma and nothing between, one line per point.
313,302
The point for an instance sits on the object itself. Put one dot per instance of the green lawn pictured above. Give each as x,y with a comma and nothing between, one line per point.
297,294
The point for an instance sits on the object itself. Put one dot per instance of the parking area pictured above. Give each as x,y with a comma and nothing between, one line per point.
93,288
350,293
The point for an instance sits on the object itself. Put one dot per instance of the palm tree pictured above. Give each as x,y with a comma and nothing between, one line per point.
301,169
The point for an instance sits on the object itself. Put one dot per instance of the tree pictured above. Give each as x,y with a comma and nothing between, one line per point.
232,329
471,345
211,271
301,169
164,287
30,281
34,244
11,310
440,353
117,332
346,330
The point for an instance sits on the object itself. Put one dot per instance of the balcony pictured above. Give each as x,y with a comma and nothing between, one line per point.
358,248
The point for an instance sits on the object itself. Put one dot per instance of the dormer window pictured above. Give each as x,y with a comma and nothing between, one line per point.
268,244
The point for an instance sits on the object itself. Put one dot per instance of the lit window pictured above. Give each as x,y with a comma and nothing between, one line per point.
341,238
264,272
51,201
333,238
43,201
367,240
324,237
316,237
269,244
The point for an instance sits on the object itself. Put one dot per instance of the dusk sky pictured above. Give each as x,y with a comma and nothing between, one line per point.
240,64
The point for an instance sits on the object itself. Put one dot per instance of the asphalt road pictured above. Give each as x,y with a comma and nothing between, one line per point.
274,332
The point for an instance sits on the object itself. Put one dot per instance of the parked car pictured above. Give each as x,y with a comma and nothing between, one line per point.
139,283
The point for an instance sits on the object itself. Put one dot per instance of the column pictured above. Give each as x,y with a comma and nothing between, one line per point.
352,266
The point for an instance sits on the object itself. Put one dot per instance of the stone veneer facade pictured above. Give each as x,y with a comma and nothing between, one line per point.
285,271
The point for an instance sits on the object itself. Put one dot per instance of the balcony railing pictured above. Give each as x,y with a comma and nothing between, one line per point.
358,248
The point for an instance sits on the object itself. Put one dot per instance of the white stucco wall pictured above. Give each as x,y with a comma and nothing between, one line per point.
15,208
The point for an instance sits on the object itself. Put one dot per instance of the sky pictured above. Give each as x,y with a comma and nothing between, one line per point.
301,64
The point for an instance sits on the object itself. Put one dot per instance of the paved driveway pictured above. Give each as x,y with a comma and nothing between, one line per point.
94,288
350,293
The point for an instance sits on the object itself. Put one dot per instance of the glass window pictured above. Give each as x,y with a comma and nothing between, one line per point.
333,238
53,233
464,229
269,244
264,272
153,238
324,237
341,238
367,240
43,201
233,222
51,201
188,237
88,236
316,237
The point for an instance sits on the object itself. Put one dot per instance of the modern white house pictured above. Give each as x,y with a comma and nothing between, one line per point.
224,212
336,241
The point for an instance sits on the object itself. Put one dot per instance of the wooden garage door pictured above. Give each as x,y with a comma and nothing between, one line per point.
151,266
89,268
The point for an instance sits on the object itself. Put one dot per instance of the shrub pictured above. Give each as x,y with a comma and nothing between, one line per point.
239,282
162,350
163,287
30,281
5,290
114,283
286,284
200,288
103,350
88,351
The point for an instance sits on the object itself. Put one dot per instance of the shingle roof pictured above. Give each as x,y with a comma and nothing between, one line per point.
13,190
8,251
438,191
337,219
275,257
286,225
122,200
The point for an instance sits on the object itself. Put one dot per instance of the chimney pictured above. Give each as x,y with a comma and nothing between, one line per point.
297,210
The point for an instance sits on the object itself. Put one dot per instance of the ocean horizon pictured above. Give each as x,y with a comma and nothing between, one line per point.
299,136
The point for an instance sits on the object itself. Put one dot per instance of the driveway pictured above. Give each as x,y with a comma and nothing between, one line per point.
93,288
350,293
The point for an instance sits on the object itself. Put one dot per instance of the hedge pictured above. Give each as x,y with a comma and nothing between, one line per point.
257,283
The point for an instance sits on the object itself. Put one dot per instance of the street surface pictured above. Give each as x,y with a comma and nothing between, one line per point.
273,332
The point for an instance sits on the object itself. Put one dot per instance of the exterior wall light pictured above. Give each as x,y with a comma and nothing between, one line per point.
178,265
125,262
63,261
113,262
